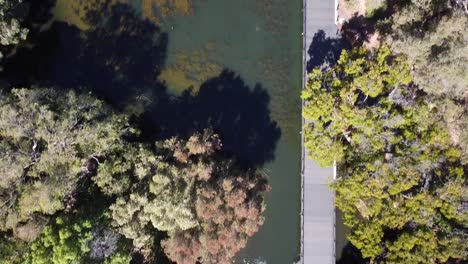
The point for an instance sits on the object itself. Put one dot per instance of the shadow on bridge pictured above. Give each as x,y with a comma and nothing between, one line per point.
324,51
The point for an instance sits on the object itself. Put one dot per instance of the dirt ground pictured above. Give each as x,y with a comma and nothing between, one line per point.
356,9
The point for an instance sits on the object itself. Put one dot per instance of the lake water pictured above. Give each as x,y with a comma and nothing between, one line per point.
260,42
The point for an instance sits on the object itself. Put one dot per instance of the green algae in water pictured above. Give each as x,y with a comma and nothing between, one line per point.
190,70
159,10
70,12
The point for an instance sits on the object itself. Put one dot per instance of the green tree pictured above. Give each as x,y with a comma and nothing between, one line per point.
206,204
402,188
49,140
63,243
431,35
77,239
11,249
336,104
438,52
11,32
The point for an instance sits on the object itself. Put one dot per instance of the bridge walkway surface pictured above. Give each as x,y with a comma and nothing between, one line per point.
318,201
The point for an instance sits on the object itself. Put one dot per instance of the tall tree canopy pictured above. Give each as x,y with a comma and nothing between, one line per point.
11,31
59,150
436,48
48,141
433,37
402,188
77,238
206,204
53,145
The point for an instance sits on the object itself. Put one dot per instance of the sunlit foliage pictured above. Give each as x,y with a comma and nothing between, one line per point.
402,188
207,205
336,103
439,54
432,36
76,239
11,32
49,140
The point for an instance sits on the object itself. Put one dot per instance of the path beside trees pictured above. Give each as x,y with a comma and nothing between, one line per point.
318,208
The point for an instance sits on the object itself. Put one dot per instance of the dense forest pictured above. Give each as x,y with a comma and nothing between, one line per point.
94,169
394,118
86,177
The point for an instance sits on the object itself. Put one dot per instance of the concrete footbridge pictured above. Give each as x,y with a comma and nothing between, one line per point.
318,201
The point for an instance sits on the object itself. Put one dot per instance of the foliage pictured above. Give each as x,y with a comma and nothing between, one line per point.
11,31
54,144
74,239
331,98
402,188
439,54
62,243
367,7
227,217
433,37
103,244
48,141
208,206
11,249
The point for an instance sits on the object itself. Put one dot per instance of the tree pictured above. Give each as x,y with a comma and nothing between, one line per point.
61,244
11,249
431,35
437,50
402,187
77,239
206,204
336,103
11,31
49,140
229,212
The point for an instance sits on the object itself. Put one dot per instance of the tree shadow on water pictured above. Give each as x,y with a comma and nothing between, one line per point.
324,51
119,57
239,114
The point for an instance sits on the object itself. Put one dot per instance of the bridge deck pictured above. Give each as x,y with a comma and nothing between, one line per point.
318,209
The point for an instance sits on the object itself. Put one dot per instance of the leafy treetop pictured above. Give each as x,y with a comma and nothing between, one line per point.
49,140
402,189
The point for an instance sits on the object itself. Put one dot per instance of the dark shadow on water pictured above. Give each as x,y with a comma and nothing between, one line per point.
117,59
39,12
238,113
324,51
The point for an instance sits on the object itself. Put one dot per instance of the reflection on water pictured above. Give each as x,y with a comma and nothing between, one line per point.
258,40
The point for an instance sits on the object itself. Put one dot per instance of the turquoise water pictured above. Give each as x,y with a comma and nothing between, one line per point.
260,41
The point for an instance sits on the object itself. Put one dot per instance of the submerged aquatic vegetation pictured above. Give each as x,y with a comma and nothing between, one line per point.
70,12
274,17
190,69
158,10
